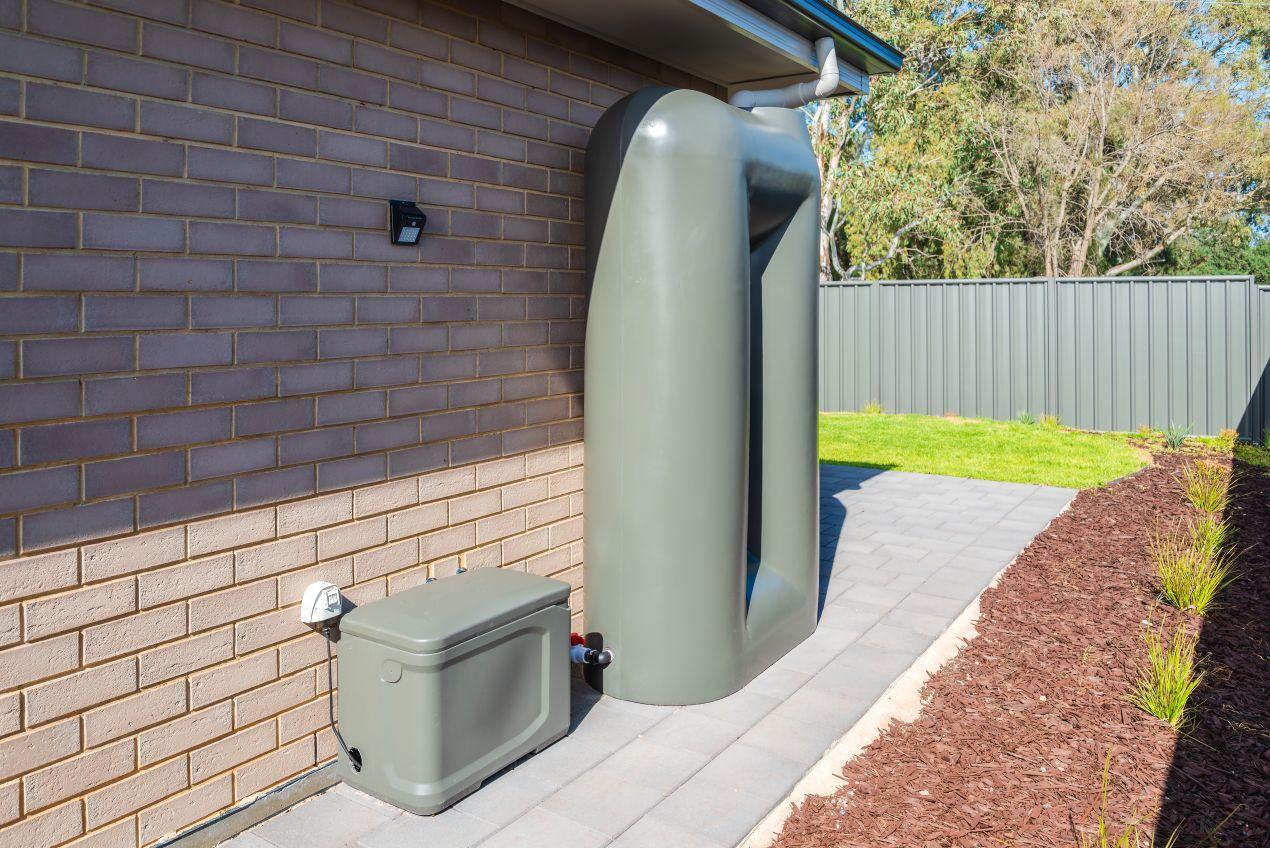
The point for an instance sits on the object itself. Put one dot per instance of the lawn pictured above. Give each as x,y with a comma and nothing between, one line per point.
1009,451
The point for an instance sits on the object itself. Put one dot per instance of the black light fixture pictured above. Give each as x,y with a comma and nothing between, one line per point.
405,224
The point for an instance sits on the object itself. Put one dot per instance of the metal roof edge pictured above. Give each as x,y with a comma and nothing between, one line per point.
813,19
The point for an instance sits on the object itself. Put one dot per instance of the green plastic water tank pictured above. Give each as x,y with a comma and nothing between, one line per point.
442,685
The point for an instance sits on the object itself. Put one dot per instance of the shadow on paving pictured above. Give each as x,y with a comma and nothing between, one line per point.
1218,790
836,478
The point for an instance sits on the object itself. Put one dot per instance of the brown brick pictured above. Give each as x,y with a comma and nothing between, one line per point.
130,715
77,775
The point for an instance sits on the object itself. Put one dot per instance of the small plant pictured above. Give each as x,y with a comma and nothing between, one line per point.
1227,439
1027,419
1051,421
1169,677
1175,436
1192,571
1265,438
1134,834
1207,487
873,408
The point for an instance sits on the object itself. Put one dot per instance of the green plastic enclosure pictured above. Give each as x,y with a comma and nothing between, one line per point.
701,542
442,685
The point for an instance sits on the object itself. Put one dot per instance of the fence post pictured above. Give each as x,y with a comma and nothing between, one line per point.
1051,346
875,323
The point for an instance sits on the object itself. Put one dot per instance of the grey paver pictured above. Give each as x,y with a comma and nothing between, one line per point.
901,556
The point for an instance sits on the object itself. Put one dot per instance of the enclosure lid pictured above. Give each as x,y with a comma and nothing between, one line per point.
434,616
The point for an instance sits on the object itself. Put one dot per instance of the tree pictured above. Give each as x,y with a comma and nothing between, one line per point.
1026,137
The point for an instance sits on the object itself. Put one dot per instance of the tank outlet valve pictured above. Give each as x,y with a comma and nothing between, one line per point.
582,655
321,602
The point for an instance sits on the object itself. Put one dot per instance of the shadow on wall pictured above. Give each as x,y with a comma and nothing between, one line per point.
835,480
1256,418
1218,790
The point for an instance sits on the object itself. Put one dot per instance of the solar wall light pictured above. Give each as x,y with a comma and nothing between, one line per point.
405,224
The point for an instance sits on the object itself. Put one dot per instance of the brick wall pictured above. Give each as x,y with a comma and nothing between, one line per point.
219,381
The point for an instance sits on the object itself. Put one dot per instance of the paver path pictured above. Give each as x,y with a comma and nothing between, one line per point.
902,555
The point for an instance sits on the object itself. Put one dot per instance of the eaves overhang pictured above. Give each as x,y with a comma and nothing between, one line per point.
734,43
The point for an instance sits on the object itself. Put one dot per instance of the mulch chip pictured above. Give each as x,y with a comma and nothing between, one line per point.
1010,746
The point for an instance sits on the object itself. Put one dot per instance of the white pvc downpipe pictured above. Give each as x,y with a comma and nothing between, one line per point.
800,93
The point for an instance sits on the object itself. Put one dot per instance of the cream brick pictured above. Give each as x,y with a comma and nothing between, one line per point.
133,554
566,532
576,501
446,567
275,557
10,802
338,541
127,716
500,471
302,653
436,545
303,720
566,481
273,768
38,575
10,625
475,506
312,513
500,526
407,579
550,563
185,581
10,714
73,610
385,497
572,576
547,512
45,830
186,733
326,747
119,835
380,561
232,605
575,553
233,750
367,592
291,586
446,484
268,629
186,656
520,547
525,493
577,453
545,462
269,701
228,680
77,692
490,556
232,531
417,520
77,775
140,790
134,633
37,748
185,809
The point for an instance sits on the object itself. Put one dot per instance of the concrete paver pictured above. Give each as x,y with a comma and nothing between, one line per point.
902,555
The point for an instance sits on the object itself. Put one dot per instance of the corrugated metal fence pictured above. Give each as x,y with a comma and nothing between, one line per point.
1100,353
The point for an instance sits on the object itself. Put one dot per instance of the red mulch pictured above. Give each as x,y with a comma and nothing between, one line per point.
1010,748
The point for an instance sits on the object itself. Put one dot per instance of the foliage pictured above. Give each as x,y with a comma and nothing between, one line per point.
1234,248
1169,676
1175,436
1207,487
1026,418
1192,569
988,450
873,408
1134,834
1211,536
1064,137
1051,421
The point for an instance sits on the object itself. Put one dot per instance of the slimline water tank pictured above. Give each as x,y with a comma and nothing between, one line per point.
701,538
442,685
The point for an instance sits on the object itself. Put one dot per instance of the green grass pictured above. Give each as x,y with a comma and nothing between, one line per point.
1256,456
1009,451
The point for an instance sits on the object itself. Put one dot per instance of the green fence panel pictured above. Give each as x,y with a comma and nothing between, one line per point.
1109,353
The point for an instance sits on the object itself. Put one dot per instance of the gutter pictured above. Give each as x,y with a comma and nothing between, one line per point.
814,19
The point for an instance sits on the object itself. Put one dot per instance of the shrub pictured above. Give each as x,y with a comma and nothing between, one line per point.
1051,421
1169,677
1175,436
873,408
1026,418
1265,438
1211,536
1227,439
1207,487
1192,571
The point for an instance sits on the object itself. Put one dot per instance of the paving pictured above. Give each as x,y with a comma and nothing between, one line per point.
902,555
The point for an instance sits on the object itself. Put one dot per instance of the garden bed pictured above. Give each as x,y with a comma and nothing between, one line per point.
1011,745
